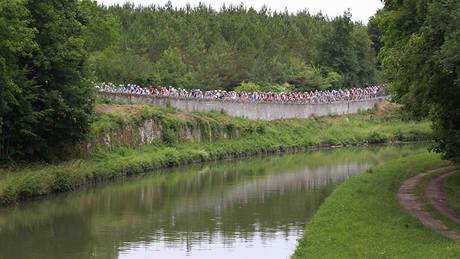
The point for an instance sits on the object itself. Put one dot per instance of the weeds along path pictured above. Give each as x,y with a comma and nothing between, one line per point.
408,200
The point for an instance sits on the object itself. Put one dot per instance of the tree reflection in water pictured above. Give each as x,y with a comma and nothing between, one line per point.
232,209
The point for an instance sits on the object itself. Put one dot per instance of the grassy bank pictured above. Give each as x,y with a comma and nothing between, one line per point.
451,191
246,138
362,219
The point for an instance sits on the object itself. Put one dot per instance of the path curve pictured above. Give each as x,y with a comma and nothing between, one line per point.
408,201
434,195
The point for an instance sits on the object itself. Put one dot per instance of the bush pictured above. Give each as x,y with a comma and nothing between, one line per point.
63,181
376,138
248,88
169,137
261,129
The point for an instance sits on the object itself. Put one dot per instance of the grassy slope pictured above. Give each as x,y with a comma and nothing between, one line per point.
362,219
256,137
452,191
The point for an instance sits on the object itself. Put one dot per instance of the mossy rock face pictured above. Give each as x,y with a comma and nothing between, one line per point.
153,125
139,125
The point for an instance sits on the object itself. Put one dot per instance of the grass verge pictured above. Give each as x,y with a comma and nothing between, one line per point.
362,218
451,191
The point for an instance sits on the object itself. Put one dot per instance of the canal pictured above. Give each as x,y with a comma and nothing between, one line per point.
252,208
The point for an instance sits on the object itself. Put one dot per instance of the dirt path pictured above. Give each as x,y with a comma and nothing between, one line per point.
434,195
408,201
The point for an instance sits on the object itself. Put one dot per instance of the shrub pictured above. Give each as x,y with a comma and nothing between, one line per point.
248,87
375,138
63,181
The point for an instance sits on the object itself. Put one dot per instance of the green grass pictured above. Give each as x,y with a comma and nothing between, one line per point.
362,218
247,138
451,191
419,192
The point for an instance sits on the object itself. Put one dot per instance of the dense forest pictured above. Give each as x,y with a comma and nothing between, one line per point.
52,53
219,49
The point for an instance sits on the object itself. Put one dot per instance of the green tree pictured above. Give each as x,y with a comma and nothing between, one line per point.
170,69
421,52
375,33
113,65
64,97
16,42
366,68
338,50
101,28
248,88
333,80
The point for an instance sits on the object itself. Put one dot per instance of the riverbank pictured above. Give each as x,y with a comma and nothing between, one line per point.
362,218
220,137
190,211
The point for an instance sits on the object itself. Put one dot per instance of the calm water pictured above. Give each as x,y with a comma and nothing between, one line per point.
234,209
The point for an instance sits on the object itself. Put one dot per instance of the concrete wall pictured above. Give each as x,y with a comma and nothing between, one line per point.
253,111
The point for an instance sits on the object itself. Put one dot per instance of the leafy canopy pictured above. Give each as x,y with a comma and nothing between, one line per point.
421,51
208,49
46,98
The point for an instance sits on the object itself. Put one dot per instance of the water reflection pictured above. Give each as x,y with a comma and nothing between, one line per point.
238,209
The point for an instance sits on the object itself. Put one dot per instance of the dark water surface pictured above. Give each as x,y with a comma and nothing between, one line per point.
254,208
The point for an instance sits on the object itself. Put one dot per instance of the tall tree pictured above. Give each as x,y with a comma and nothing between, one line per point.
421,51
170,69
47,100
57,68
375,33
101,30
16,114
338,51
